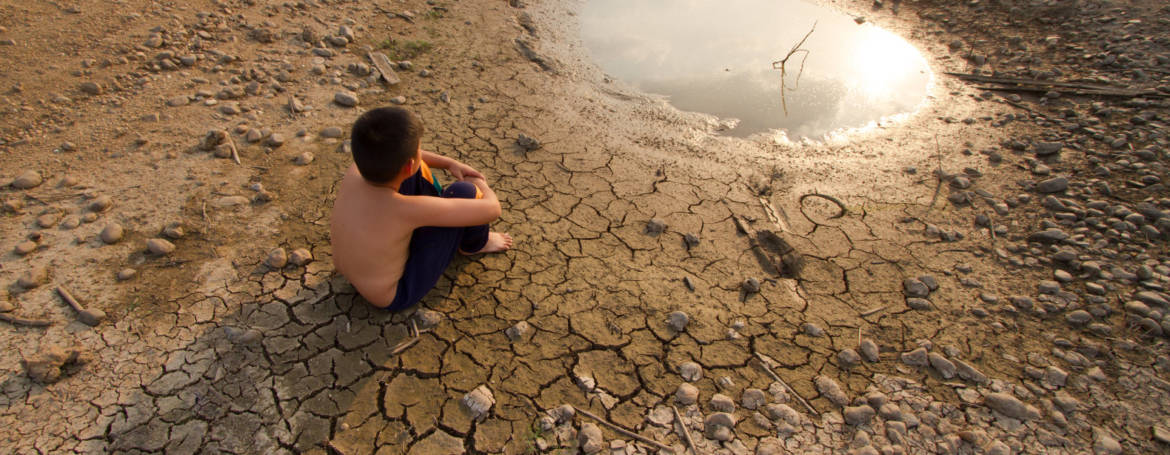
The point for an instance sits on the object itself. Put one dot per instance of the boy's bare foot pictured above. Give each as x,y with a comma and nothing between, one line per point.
496,242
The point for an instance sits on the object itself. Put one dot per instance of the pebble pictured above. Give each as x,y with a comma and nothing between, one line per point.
47,220
27,180
718,419
126,274
917,358
101,203
1104,443
1078,317
49,364
1011,406
722,403
70,221
427,319
590,439
112,233
276,259
686,394
655,226
781,411
869,350
914,287
1053,185
303,159
678,320
918,304
332,132
751,285
398,100
812,330
859,415
33,278
690,371
478,402
969,372
1052,235
277,140
91,88
943,366
1048,148
346,99
831,390
159,246
24,248
519,331
753,398
300,256
848,358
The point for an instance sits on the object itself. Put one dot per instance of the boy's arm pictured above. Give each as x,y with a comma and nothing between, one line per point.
455,212
457,169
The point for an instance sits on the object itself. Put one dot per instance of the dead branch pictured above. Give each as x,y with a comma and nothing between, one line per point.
683,428
624,431
784,69
22,321
764,362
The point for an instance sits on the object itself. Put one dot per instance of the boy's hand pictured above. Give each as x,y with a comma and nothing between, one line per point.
462,171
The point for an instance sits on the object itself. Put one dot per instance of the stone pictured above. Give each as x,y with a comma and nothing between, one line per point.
27,180
678,320
277,258
940,364
346,99
848,358
519,331
780,411
478,402
750,285
332,132
398,100
1151,298
1104,443
126,274
859,415
174,231
655,226
1048,148
1055,376
590,439
686,394
869,350
690,371
1053,185
24,248
181,100
1011,406
722,403
47,220
914,287
1078,317
300,256
1051,235
427,319
91,88
753,398
916,358
100,203
831,390
528,143
969,372
918,304
33,278
112,233
159,246
212,139
276,140
52,363
812,330
719,419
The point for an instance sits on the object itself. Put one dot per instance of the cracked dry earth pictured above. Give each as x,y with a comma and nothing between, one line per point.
657,264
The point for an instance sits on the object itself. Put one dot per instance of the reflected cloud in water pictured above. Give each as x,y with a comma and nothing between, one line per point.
716,57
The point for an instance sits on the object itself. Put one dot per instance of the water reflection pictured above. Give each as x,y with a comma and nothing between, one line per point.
716,57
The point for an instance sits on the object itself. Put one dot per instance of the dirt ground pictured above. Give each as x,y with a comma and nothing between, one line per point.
984,276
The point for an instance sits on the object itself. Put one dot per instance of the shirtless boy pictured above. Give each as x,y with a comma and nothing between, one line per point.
394,228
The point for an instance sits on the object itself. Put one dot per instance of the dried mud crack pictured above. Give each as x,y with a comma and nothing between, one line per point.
1001,290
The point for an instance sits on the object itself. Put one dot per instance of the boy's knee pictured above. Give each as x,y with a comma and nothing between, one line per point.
461,190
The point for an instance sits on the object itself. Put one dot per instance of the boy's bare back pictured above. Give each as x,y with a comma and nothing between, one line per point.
370,237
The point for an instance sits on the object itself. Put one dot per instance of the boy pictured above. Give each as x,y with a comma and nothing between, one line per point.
394,229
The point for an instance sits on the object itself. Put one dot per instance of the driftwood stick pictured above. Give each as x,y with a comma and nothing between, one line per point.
235,153
22,321
768,368
683,428
624,431
403,346
872,311
65,294
413,329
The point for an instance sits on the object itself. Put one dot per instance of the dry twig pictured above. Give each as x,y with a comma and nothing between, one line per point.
784,70
768,369
683,428
22,321
624,431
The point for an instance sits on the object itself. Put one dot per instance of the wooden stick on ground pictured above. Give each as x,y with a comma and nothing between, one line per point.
403,345
624,431
22,321
235,153
768,368
872,311
686,433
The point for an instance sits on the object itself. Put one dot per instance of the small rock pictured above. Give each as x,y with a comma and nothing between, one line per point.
848,358
753,398
691,241
943,366
1053,185
528,143
869,350
159,246
47,220
303,159
277,140
27,180
914,287
300,256
1052,235
478,402
33,278
918,304
1011,406
174,231
52,363
91,88
332,132
690,371
969,372
126,274
831,390
100,203
916,358
24,248
719,419
346,99
678,321
590,439
1104,443
722,403
276,259
686,394
398,100
812,330
655,226
519,331
859,415
427,319
751,285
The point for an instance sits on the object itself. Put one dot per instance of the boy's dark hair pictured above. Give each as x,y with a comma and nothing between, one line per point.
383,141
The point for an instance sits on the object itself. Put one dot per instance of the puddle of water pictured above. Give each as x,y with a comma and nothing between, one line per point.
716,57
